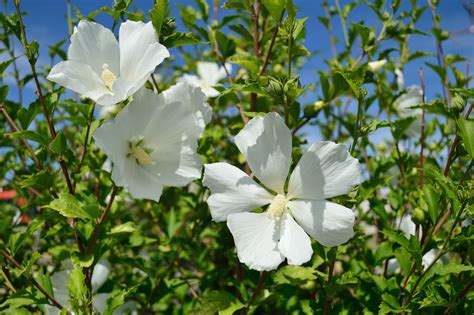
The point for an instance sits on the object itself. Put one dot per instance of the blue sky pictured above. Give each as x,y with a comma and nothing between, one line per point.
46,23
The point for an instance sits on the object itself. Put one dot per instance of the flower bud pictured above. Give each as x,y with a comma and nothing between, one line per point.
458,103
169,26
418,216
375,66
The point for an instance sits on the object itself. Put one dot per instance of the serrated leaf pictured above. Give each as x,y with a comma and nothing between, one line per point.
70,207
77,291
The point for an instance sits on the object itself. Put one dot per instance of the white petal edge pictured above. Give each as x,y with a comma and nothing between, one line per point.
140,52
256,238
325,170
266,144
95,45
329,223
232,191
294,243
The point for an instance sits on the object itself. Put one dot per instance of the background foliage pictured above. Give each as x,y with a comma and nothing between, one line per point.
169,257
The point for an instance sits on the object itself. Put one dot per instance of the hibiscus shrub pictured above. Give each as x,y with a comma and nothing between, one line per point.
179,164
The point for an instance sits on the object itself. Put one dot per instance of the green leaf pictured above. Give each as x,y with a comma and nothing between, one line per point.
412,245
295,275
117,299
226,44
59,144
158,15
181,38
466,127
127,227
27,115
3,93
70,207
220,302
347,77
275,8
4,65
77,291
390,304
431,198
250,62
29,135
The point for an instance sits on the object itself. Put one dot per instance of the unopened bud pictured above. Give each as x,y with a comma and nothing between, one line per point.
418,216
458,103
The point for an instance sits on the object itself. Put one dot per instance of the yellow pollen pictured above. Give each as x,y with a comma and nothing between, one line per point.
140,153
278,205
108,76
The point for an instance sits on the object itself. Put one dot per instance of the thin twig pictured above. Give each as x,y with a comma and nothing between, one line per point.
270,48
260,286
327,303
16,129
86,141
103,217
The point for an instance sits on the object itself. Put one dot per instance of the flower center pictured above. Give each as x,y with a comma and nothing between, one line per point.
139,152
278,205
108,76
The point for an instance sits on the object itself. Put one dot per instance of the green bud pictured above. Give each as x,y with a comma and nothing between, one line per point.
444,35
418,216
169,26
458,103
275,89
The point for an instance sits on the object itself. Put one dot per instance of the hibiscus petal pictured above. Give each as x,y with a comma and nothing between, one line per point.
412,97
99,302
141,182
94,45
211,73
100,274
256,238
329,223
325,170
232,191
78,77
194,101
140,52
266,144
294,243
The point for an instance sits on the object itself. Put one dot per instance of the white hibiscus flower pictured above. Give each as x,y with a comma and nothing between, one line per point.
264,240
105,70
208,75
60,281
153,141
